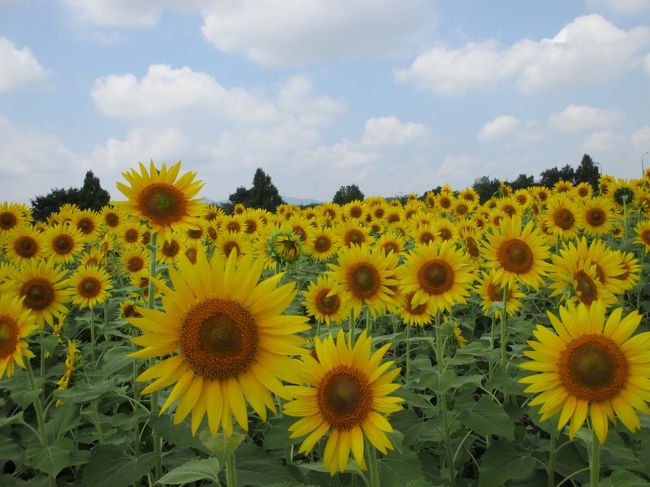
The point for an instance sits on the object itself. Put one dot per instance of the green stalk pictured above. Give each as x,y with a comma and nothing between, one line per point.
373,467
157,440
504,334
550,467
38,405
594,460
442,404
351,327
231,475
408,352
93,337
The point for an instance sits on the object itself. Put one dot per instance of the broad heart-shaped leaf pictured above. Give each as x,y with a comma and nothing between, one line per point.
397,470
487,417
109,466
53,458
205,469
441,383
623,478
503,462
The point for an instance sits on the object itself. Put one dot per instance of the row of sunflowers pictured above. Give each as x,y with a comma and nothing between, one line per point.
294,346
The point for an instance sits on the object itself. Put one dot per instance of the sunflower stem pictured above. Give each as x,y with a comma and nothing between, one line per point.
93,337
550,466
442,403
504,335
351,327
157,440
373,466
231,475
594,460
38,405
408,352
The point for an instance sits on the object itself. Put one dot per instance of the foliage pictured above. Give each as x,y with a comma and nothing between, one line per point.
91,196
263,194
346,194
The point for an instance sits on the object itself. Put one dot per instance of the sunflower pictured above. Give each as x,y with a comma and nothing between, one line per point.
16,323
131,233
439,275
353,233
111,216
491,294
11,215
321,244
608,263
42,286
227,242
7,270
90,285
631,270
325,301
224,339
584,190
391,241
284,246
253,222
413,315
354,210
301,227
623,194
347,394
563,217
587,363
330,211
195,230
578,279
63,243
88,223
469,196
160,198
23,244
169,250
642,231
517,253
92,257
367,275
597,215
136,262
445,229
426,234
562,186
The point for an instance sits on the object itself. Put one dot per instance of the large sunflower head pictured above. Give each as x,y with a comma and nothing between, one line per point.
16,323
345,391
42,287
437,274
517,253
161,197
590,363
222,341
367,275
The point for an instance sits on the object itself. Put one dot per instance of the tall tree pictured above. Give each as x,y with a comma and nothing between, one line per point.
486,187
92,195
346,194
551,176
587,172
263,194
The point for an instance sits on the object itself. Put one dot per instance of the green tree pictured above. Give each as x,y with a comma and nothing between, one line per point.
486,187
90,196
262,195
523,181
346,194
587,172
551,176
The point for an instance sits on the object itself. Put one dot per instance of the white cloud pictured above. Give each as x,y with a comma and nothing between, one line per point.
646,64
389,131
587,50
576,118
641,139
603,141
277,32
627,7
500,127
18,67
33,161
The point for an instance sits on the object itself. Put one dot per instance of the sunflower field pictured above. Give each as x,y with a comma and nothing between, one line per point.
435,341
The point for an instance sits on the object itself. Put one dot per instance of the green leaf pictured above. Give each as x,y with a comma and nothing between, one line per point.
623,478
397,470
85,392
503,462
441,383
16,418
221,446
278,435
53,458
487,417
206,469
109,466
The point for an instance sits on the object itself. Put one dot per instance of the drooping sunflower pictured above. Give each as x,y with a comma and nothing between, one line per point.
597,214
42,286
284,246
590,363
160,197
517,253
16,324
63,243
346,393
367,275
326,302
90,285
491,293
24,243
439,275
623,193
224,340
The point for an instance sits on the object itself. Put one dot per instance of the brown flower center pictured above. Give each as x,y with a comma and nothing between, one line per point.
354,237
7,220
564,218
593,368
595,217
135,263
162,204
131,235
363,280
230,245
327,305
38,293
86,225
62,244
219,338
112,219
426,237
344,397
170,248
436,277
322,244
8,336
26,246
89,287
586,288
515,256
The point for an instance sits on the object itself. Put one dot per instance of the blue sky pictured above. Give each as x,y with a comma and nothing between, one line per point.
395,96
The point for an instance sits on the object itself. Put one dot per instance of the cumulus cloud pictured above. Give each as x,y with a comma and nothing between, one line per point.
627,7
603,141
35,161
641,139
277,32
389,131
646,64
500,127
576,118
588,50
18,67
